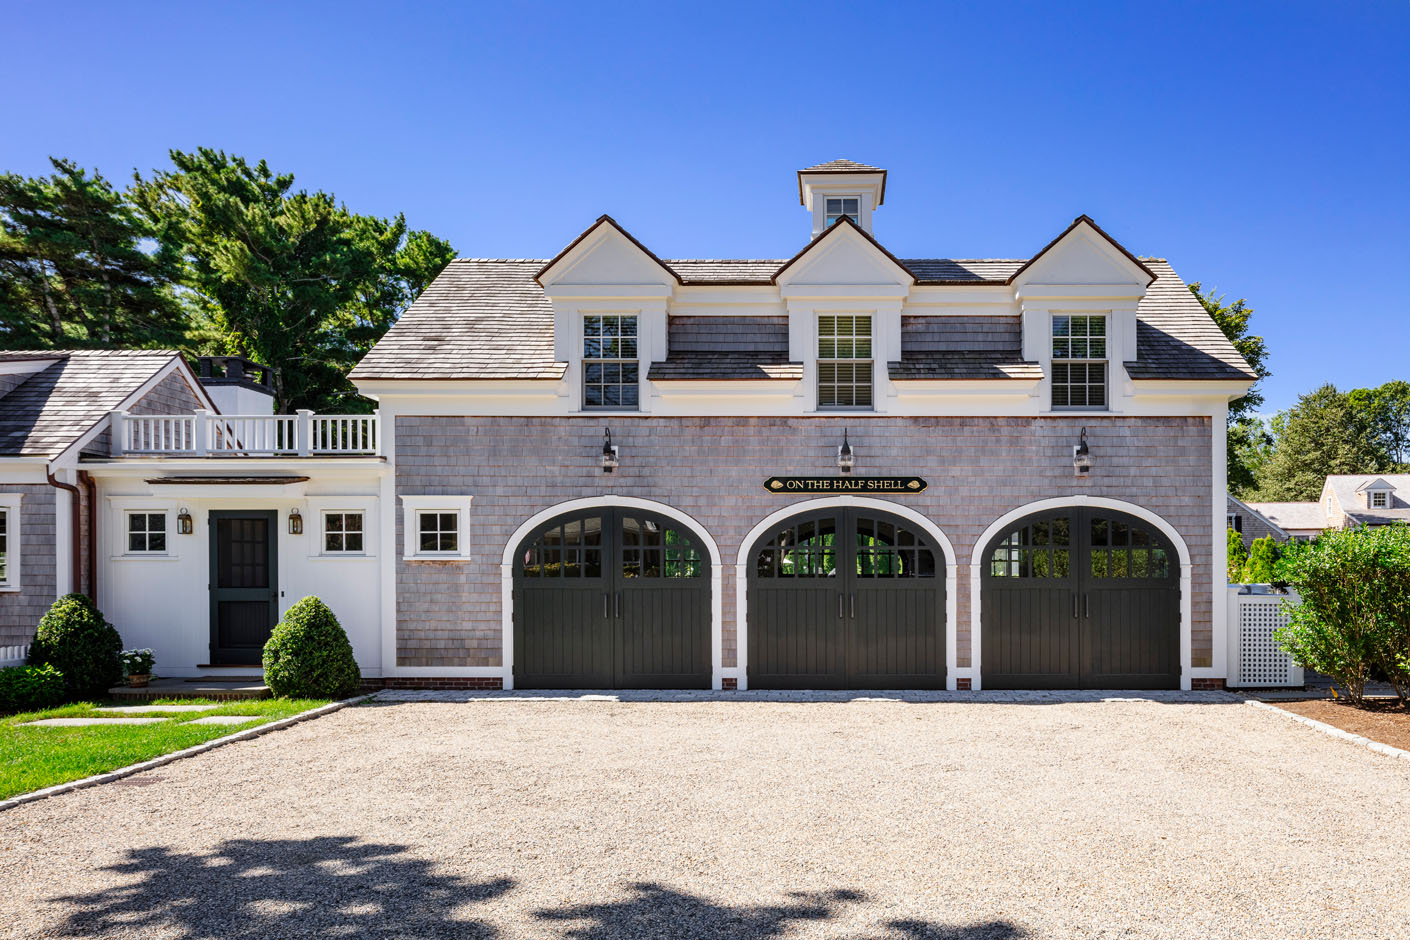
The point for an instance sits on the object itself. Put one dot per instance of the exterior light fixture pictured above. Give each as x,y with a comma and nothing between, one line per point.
296,522
609,452
846,460
184,525
1082,455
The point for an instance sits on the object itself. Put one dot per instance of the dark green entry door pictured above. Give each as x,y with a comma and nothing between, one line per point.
612,599
1079,598
846,599
244,585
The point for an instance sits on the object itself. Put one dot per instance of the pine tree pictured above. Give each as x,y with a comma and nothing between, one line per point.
1237,556
1322,434
1262,556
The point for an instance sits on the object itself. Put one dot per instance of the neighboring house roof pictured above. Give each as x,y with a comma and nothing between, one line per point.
44,415
1289,516
488,318
1237,505
1378,483
1346,487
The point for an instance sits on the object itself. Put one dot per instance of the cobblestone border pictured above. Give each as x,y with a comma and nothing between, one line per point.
192,751
1333,730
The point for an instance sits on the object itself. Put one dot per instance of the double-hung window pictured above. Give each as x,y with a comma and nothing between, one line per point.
610,361
146,533
1079,361
844,361
838,206
342,533
5,573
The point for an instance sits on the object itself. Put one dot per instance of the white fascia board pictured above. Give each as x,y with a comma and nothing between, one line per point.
1105,292
250,492
369,468
845,291
940,296
1225,390
16,471
561,292
724,295
391,389
733,398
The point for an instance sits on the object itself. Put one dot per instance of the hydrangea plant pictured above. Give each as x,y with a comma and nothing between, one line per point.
138,662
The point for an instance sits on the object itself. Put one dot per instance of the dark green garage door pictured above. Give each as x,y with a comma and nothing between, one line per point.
846,599
612,599
1079,598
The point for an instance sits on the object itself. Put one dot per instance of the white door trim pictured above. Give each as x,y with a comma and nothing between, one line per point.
976,571
741,565
506,569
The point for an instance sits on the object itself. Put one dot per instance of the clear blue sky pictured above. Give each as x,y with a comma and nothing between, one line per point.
1262,147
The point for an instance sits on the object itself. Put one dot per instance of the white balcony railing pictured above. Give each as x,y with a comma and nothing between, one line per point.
202,434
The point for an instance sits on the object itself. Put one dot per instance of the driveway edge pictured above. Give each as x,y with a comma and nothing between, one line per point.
163,760
1332,730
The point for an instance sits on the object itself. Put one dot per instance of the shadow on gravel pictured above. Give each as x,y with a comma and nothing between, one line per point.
339,887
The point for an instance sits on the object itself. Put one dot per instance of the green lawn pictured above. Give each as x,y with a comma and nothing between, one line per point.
34,758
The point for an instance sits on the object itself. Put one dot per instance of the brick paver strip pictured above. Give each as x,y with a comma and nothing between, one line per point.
165,759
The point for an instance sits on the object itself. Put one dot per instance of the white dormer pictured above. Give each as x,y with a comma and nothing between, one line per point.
1377,494
841,188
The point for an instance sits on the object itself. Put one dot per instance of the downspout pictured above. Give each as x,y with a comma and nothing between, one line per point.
76,499
90,486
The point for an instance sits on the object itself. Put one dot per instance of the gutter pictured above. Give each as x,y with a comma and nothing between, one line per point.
76,500
91,488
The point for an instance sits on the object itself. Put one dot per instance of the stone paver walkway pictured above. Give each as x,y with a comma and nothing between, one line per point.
173,709
223,720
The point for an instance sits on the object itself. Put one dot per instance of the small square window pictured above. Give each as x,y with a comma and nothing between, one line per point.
838,206
438,532
342,533
146,533
1380,500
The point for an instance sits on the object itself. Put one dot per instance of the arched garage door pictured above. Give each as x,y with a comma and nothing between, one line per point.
844,598
1080,598
612,598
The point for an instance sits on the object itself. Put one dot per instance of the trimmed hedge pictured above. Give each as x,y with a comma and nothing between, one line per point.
75,638
308,655
30,688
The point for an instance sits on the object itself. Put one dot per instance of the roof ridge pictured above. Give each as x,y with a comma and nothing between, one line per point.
503,260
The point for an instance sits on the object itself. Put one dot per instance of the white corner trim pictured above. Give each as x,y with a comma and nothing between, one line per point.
976,570
14,544
506,569
741,569
411,505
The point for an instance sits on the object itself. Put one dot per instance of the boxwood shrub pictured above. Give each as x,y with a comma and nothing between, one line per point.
75,638
30,688
308,654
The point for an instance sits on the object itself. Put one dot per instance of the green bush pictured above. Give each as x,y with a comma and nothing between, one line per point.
75,638
1262,559
1237,556
1354,619
30,688
308,654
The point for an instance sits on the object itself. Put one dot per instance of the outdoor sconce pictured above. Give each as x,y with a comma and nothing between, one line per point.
1082,455
296,523
846,460
184,525
609,452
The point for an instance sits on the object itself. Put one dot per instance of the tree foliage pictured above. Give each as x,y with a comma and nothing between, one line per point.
1259,566
1353,622
1324,433
75,270
1237,555
1233,320
1386,410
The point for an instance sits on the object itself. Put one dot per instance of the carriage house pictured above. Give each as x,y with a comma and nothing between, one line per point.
609,469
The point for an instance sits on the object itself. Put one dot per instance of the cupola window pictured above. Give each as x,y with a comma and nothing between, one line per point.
838,206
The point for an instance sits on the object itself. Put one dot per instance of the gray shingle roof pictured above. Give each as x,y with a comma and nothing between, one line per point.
842,166
965,365
488,319
57,405
724,366
1292,515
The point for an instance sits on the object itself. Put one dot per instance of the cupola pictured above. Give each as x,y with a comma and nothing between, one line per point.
841,187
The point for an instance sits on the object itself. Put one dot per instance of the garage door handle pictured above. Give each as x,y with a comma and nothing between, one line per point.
1086,605
1074,605
619,605
605,611
839,606
853,600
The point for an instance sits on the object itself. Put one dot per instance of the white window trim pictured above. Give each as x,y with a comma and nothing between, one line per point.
323,549
1378,495
10,504
313,509
167,530
818,359
414,505
114,528
827,196
583,360
1106,361
1229,519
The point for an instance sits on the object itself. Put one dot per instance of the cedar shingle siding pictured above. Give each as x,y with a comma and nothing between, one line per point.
691,335
978,468
20,610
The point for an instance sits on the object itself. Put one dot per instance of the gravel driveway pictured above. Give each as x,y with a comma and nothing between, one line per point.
734,817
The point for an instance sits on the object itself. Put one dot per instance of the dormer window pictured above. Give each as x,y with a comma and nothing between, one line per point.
838,206
844,361
610,365
1380,499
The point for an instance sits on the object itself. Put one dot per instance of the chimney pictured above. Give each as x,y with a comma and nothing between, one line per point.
237,385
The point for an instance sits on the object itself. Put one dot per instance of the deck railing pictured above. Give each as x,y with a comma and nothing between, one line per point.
202,434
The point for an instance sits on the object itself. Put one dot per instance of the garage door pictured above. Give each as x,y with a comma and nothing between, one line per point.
1080,598
612,599
846,599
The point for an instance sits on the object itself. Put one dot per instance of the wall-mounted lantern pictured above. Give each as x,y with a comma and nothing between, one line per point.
609,452
184,525
1082,455
846,460
296,522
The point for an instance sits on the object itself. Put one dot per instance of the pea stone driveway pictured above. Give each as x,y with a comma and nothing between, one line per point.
735,815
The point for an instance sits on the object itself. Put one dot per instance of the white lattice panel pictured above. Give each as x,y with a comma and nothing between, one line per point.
1260,660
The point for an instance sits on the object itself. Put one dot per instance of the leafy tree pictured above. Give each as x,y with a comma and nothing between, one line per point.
291,279
1387,409
1233,320
1237,556
1262,557
75,269
1250,446
1322,434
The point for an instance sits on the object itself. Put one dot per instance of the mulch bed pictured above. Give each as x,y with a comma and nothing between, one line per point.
1379,720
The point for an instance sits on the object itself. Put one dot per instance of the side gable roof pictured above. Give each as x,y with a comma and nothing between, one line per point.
602,220
1273,527
44,415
